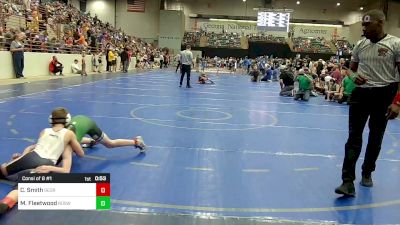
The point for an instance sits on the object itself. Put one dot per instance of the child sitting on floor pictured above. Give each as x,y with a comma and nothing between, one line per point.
203,79
332,91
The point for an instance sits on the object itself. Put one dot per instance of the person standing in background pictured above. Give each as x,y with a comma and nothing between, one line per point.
108,64
17,50
178,66
125,60
83,72
161,60
187,61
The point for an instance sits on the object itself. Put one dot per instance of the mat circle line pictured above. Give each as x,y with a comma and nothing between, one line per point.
226,116
149,121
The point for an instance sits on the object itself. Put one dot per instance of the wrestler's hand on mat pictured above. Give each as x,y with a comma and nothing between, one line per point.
393,111
43,169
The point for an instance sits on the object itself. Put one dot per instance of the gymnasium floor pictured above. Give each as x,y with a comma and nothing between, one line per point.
230,153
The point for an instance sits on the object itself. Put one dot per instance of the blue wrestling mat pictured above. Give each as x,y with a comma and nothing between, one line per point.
235,149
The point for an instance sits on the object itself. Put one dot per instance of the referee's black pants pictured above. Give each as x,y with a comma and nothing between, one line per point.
185,69
366,103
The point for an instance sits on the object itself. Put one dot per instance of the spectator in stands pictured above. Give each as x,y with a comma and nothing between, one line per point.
27,5
75,67
17,50
305,86
80,29
92,39
55,66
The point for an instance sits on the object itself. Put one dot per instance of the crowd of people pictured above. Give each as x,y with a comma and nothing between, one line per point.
215,40
302,78
311,45
299,77
343,46
192,38
78,33
224,40
300,44
266,38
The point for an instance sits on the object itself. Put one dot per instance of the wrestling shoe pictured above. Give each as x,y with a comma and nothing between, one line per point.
90,145
139,143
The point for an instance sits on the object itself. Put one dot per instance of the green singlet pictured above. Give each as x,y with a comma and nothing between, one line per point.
82,125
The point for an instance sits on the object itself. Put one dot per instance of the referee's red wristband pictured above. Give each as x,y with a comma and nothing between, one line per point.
396,99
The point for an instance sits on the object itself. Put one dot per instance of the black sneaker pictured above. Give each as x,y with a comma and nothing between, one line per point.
347,188
366,181
188,86
180,85
3,208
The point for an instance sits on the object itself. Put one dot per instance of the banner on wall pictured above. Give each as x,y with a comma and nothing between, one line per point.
247,28
317,31
231,27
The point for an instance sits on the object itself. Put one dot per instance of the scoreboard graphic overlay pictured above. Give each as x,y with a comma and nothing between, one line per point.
78,191
273,21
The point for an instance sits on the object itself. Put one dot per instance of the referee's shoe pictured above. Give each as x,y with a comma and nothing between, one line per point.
366,180
347,189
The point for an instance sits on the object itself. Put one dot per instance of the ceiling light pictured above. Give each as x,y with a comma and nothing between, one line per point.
298,2
361,8
338,4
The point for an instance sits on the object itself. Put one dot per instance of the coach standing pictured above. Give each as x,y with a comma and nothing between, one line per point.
187,61
376,59
17,51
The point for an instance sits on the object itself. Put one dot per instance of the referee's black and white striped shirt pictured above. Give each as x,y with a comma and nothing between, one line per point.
186,57
377,61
